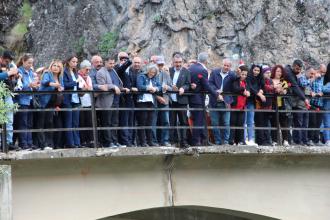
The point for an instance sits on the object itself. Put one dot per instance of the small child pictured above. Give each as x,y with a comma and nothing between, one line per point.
237,118
263,119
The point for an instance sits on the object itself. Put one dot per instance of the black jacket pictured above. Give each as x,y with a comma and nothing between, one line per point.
184,81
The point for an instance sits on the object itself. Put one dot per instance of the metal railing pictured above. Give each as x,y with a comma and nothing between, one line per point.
95,128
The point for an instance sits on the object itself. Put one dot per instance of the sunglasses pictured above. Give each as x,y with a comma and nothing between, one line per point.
123,58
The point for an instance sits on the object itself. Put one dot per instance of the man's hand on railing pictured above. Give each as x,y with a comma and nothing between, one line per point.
117,90
126,90
175,88
220,98
103,87
193,86
181,91
134,89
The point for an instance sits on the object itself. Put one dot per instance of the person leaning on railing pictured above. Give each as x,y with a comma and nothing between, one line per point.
281,87
9,75
241,89
24,119
51,80
326,104
85,117
147,82
262,118
71,118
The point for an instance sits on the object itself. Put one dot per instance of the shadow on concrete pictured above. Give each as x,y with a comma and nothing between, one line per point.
188,213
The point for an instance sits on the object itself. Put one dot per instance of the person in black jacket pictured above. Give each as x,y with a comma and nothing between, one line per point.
254,81
181,83
299,102
241,90
125,99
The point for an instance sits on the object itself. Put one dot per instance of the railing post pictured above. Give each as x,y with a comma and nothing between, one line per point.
205,125
277,115
94,121
4,138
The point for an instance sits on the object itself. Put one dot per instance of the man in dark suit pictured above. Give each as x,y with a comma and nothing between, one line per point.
181,83
221,80
199,84
125,99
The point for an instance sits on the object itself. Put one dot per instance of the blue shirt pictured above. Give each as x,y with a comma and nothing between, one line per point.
116,81
27,78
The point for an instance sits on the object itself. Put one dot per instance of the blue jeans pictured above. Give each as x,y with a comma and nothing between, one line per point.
71,120
221,118
163,120
25,122
9,125
249,121
326,125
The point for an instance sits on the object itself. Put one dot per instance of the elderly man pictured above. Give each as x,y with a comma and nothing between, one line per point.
200,83
221,80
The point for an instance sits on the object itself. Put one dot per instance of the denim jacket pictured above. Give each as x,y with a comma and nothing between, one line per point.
326,101
143,81
27,78
46,79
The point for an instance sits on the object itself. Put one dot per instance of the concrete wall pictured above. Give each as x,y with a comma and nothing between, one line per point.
5,193
286,187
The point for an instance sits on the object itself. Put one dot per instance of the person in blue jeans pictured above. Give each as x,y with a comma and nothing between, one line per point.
25,121
326,106
71,81
221,80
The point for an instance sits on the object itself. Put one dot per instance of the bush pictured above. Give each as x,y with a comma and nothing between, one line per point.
108,42
5,107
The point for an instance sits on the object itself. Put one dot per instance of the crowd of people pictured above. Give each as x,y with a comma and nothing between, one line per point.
156,97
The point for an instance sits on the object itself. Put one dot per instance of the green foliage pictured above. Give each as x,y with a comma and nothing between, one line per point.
21,27
108,42
78,46
5,107
158,19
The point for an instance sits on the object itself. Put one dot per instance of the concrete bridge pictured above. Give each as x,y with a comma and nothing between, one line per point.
89,184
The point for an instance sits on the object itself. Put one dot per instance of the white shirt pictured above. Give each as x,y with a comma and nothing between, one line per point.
175,80
148,97
223,76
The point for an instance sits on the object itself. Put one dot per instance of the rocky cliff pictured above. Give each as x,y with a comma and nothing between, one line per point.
271,31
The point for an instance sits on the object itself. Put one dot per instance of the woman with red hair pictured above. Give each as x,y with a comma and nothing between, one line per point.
281,87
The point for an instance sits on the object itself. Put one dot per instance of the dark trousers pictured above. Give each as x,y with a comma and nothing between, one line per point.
105,121
25,121
85,121
262,119
58,139
300,120
145,118
283,124
198,117
315,121
237,119
178,117
126,119
45,121
114,120
71,120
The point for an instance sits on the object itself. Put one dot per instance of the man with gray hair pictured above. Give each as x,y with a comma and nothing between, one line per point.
221,80
199,84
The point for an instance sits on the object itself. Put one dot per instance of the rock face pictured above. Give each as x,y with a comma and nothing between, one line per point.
9,15
268,31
